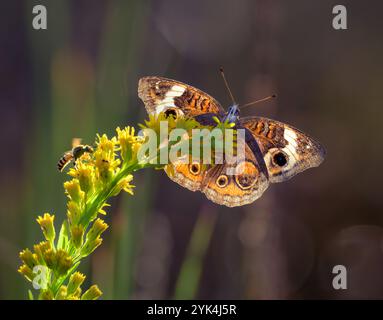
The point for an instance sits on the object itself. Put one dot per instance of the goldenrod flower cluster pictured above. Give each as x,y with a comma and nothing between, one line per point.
51,265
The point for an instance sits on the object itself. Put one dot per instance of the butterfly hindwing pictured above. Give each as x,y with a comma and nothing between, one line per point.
287,151
190,175
235,184
226,184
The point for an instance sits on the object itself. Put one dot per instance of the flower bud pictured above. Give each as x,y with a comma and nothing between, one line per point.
47,226
92,293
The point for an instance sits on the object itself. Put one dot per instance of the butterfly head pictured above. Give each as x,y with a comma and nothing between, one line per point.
232,114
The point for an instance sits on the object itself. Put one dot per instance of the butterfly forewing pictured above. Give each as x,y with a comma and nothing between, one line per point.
161,94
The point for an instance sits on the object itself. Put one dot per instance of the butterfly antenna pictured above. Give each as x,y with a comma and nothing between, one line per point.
260,100
227,85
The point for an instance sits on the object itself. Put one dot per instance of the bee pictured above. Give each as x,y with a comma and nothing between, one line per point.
77,151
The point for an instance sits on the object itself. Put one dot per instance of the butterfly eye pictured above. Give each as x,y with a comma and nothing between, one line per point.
222,181
195,168
171,112
280,159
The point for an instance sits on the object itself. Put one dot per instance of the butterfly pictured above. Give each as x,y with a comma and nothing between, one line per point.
274,151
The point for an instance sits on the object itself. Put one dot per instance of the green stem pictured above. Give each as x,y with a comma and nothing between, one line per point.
97,203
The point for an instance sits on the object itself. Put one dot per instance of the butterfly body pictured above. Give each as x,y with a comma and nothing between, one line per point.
232,114
274,151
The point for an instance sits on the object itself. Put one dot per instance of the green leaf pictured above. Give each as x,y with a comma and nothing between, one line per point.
63,236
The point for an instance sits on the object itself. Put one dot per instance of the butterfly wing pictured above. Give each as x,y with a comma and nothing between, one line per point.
190,175
166,95
235,184
225,184
287,151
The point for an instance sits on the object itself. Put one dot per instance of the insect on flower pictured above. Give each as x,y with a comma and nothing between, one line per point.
77,151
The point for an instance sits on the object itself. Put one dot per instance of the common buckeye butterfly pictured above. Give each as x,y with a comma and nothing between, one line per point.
274,151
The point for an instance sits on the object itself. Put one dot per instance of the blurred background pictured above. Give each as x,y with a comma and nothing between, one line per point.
79,77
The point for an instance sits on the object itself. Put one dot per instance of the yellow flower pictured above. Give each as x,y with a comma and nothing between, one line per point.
59,261
98,227
46,295
75,281
90,246
74,296
127,139
106,145
63,261
46,224
50,259
73,212
124,184
26,272
74,191
92,293
40,250
77,232
185,123
84,172
29,258
61,293
102,211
